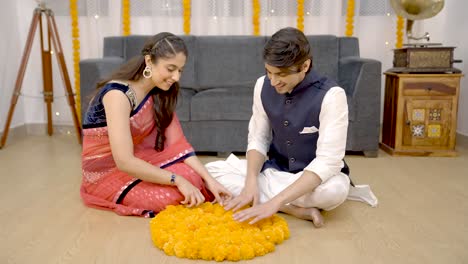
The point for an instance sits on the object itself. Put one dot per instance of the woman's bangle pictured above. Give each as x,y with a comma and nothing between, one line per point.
173,179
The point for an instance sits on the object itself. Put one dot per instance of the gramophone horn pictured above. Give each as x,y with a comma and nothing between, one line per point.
416,10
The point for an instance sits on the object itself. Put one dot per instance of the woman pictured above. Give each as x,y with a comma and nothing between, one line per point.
135,158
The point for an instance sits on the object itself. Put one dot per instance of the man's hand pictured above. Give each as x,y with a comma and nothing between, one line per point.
257,212
248,194
222,195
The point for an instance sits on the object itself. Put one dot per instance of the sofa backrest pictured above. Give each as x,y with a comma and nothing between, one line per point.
229,61
325,55
235,61
129,46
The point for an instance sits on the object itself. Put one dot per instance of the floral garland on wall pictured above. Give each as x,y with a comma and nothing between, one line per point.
256,17
76,52
126,17
399,32
300,15
350,18
187,15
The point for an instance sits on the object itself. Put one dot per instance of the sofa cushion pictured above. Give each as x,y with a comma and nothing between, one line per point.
325,52
183,104
222,104
229,61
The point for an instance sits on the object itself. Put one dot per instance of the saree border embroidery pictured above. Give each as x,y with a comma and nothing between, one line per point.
123,188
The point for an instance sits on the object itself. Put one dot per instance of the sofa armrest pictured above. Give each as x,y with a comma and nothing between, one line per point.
362,80
357,73
91,71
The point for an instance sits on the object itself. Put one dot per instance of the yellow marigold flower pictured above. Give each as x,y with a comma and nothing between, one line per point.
233,253
179,248
247,251
169,248
209,232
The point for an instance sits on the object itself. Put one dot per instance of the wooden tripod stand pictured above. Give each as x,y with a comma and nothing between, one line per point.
46,55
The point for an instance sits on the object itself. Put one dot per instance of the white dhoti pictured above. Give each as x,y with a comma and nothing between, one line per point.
328,195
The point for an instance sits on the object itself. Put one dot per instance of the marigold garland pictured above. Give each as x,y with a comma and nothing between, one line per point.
187,14
126,17
349,18
209,232
399,32
76,52
256,17
300,15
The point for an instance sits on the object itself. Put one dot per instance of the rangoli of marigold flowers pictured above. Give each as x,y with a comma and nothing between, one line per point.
209,232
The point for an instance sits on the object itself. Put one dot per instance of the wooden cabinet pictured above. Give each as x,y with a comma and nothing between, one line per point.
420,114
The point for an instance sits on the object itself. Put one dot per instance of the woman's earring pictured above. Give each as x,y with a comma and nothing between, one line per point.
147,72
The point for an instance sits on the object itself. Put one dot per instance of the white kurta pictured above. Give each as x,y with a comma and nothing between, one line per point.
331,144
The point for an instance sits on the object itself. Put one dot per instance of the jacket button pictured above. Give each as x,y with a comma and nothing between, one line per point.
292,160
288,142
286,123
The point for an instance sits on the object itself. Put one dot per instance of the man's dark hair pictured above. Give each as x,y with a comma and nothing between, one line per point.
287,47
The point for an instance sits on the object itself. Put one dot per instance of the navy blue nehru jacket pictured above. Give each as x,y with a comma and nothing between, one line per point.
288,115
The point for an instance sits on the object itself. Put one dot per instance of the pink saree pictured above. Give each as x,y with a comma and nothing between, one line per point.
104,186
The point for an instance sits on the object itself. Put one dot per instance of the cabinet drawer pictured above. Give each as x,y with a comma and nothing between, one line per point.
427,87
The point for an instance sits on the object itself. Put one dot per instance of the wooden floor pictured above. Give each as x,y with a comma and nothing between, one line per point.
422,216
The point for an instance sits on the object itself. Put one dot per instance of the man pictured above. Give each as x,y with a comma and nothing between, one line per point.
300,119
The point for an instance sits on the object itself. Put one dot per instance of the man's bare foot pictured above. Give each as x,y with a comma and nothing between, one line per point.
315,216
312,214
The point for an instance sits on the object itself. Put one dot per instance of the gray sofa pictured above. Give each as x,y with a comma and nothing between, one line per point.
217,86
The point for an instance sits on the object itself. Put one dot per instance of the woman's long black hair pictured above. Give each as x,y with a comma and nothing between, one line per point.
163,45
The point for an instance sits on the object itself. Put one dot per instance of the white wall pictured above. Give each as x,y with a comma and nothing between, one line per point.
450,29
10,55
377,39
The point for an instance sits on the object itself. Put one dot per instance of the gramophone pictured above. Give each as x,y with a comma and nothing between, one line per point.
416,56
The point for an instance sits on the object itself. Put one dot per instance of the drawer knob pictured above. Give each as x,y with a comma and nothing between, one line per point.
429,88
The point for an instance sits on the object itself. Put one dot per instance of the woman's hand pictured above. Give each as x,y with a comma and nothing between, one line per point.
192,195
222,195
248,194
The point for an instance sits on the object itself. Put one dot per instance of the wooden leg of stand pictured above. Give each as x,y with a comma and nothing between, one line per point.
63,70
20,77
47,77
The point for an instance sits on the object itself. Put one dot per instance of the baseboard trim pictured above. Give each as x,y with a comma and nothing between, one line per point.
39,129
34,129
462,140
